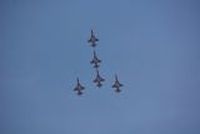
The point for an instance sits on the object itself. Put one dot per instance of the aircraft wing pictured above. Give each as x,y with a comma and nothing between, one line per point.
99,60
82,87
114,86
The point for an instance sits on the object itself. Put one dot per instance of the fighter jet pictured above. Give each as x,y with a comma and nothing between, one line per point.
95,60
79,88
93,39
117,85
98,80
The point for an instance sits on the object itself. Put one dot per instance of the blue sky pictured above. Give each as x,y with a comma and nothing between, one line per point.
152,45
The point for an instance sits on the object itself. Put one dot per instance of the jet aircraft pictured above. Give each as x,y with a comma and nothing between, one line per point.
98,79
93,39
117,84
79,88
95,60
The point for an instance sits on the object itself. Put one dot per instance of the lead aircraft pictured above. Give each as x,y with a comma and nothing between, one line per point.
93,39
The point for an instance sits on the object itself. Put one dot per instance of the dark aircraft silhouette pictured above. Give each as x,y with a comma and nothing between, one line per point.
98,80
79,88
95,60
93,39
117,84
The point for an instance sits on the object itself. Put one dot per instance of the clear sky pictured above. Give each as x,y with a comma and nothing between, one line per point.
153,46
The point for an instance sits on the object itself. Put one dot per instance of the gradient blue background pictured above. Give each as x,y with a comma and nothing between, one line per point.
153,45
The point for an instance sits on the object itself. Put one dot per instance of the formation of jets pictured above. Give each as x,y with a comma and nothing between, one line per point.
95,62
